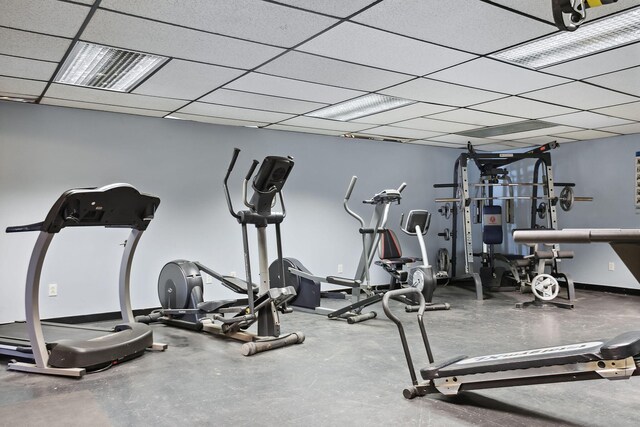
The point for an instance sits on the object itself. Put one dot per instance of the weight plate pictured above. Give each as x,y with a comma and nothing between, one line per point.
566,198
545,287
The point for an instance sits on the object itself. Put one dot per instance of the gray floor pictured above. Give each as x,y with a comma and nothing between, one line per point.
342,375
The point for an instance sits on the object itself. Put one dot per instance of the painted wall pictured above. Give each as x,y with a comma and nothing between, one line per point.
46,150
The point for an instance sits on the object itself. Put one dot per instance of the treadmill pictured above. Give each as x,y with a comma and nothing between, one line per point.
117,206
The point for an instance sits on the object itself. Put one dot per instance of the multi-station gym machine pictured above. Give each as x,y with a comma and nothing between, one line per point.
491,202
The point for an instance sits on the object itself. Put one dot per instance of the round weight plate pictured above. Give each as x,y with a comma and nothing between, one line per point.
542,210
566,198
444,262
417,279
545,287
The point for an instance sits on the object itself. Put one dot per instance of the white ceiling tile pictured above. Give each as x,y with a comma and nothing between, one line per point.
44,16
31,45
629,111
260,102
539,140
623,129
97,96
495,147
479,118
307,67
341,9
11,86
402,113
433,125
435,143
460,139
538,132
600,63
204,109
588,120
494,75
521,107
586,134
278,86
314,122
427,90
475,26
246,19
400,133
217,120
87,2
186,80
142,35
26,68
102,107
369,46
627,81
580,95
305,130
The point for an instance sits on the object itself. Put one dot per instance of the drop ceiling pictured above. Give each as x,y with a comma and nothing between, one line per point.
271,63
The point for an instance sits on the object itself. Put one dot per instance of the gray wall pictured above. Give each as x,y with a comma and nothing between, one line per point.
46,150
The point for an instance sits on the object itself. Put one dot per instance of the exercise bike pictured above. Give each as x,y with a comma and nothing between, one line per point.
617,358
422,276
180,285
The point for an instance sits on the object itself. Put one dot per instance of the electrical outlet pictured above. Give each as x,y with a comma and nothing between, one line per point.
207,279
232,274
612,266
53,290
340,268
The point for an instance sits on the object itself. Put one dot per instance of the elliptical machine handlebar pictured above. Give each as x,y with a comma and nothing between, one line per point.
245,183
234,157
352,184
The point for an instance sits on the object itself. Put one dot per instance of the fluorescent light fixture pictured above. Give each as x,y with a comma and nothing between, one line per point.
103,67
606,33
360,107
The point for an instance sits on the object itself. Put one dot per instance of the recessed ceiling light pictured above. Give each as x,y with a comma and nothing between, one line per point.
103,67
360,107
606,33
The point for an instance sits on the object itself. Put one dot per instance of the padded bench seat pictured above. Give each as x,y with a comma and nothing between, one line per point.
618,348
129,340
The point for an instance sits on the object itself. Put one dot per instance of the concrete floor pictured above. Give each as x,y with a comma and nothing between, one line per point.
341,375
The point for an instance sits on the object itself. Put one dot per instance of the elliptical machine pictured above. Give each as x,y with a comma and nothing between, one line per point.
180,285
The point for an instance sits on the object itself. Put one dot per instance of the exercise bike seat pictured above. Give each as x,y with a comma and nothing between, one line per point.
618,348
213,306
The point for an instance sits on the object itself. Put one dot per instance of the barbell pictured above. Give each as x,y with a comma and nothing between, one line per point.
567,199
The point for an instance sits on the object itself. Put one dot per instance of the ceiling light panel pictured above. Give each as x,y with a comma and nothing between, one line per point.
236,98
204,109
306,67
103,107
359,107
369,46
32,45
441,93
604,62
441,22
276,25
411,111
103,67
493,75
295,89
114,29
13,66
78,93
186,80
595,36
44,16
580,95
